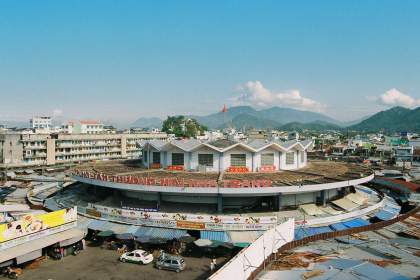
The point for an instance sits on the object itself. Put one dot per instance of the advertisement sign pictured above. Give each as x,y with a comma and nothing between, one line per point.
31,227
183,220
173,181
190,225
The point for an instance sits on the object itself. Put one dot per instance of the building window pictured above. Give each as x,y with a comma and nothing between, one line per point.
267,159
177,159
290,158
302,156
238,160
156,157
205,159
145,156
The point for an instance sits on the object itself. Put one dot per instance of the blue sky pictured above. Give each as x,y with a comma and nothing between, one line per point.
120,60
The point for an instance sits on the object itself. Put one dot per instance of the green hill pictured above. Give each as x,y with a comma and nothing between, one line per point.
395,119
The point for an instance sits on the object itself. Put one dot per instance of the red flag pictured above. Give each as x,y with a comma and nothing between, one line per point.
224,110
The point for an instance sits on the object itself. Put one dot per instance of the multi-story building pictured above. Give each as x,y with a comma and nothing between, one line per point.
40,122
83,127
25,149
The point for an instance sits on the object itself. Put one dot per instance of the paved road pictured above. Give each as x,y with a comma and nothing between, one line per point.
95,263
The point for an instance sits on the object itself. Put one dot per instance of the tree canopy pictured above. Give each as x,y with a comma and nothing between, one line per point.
182,126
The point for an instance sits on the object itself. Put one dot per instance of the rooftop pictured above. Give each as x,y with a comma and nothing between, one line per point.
316,172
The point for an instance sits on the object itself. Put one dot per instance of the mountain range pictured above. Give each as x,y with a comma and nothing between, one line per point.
248,117
391,120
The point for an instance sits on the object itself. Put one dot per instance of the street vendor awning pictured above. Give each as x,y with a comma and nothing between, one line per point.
106,233
221,236
128,233
154,234
38,244
100,225
244,237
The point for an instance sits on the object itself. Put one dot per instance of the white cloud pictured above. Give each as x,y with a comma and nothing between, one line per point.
394,97
57,112
255,94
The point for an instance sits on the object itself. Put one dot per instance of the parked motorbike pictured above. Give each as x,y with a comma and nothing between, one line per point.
11,273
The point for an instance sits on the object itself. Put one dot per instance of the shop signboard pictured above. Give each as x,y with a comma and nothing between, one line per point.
184,221
31,227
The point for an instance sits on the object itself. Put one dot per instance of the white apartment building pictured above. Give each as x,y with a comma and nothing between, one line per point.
41,122
26,149
83,127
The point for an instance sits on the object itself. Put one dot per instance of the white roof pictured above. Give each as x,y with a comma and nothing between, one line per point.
188,145
13,207
38,244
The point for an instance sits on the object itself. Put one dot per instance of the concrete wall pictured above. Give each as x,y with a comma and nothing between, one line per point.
12,149
257,158
177,150
297,162
226,158
249,259
50,151
194,159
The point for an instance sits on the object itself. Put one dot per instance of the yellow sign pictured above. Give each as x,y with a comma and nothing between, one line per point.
30,224
190,225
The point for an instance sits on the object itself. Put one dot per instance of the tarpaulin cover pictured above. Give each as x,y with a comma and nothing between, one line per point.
384,215
221,236
338,226
358,222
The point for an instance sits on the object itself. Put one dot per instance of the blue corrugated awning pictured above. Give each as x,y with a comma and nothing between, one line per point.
301,233
391,209
99,225
305,232
150,234
338,226
384,215
128,233
358,222
215,236
318,230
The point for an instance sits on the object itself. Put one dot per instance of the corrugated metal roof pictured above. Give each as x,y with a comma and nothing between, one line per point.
221,236
384,215
358,222
147,234
338,226
372,271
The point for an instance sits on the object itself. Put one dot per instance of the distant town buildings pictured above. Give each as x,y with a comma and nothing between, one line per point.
40,122
83,127
29,149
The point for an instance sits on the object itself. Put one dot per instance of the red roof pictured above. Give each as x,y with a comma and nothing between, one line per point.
409,185
88,122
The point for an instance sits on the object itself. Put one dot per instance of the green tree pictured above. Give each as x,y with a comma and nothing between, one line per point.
183,127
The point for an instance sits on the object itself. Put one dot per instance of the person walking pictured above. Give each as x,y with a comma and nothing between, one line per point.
212,266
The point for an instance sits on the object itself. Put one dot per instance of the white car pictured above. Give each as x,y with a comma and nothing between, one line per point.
137,256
